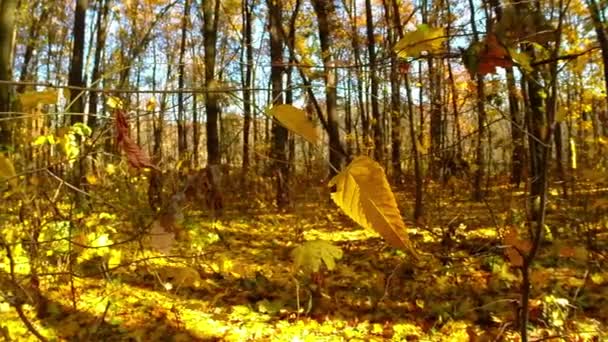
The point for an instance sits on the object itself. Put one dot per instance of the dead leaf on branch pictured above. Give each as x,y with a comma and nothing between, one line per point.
482,58
515,247
136,157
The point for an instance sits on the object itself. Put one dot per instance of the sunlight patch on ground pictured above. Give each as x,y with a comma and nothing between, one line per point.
335,236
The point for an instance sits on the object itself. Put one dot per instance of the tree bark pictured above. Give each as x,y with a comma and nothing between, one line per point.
76,106
32,41
210,18
103,8
7,25
478,193
246,82
325,11
279,133
373,69
602,38
393,21
182,133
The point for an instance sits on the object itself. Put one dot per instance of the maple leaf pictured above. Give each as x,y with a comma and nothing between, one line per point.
424,38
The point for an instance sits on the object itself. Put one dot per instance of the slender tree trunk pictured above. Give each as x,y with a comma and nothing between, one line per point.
602,37
540,118
32,42
418,206
75,77
103,8
7,25
210,18
325,11
518,153
196,131
182,134
478,193
393,21
457,132
373,69
246,83
279,133
351,9
291,41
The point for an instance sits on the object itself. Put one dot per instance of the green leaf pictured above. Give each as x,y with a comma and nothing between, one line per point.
295,120
308,256
81,129
424,38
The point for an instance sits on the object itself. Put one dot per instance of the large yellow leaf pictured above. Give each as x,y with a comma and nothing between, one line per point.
296,121
31,99
363,193
424,38
7,172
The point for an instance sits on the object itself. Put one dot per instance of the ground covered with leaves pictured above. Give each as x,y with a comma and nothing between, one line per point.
234,278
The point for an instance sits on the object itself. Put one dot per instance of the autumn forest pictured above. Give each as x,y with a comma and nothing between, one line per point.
304,170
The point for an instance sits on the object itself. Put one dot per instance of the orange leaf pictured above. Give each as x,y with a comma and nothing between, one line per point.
493,55
136,157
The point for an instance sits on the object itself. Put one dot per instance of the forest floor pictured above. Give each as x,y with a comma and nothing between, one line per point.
233,279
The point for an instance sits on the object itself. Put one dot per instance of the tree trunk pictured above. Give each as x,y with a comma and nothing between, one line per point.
103,8
373,70
33,38
602,37
210,18
359,77
325,11
182,134
518,153
7,25
478,193
393,21
76,107
246,82
279,133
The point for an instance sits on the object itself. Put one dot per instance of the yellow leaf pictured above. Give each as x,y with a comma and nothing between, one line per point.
31,99
364,194
7,172
114,102
424,38
92,179
296,121
522,59
308,256
573,149
151,104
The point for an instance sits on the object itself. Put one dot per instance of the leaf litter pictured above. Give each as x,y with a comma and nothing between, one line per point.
359,289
